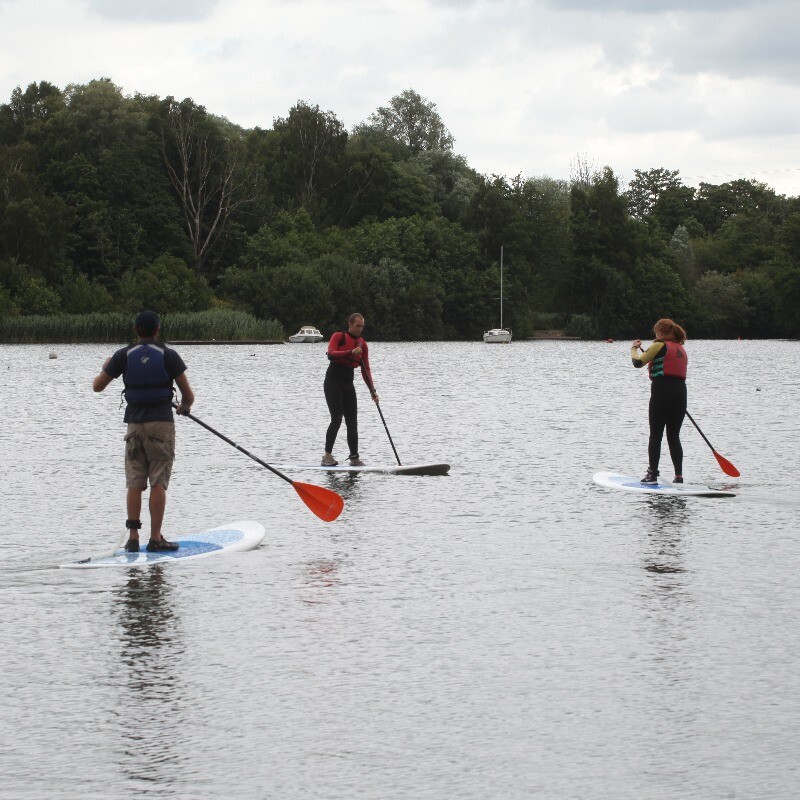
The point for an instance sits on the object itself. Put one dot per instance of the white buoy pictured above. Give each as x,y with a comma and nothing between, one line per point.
53,354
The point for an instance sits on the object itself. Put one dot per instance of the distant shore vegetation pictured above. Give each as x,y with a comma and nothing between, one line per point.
112,203
205,326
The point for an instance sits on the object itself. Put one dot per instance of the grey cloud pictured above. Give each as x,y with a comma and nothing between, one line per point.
746,40
739,46
153,10
639,7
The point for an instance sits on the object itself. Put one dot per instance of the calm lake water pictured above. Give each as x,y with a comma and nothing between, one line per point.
508,631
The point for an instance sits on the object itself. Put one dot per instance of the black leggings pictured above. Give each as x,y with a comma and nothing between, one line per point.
667,410
340,395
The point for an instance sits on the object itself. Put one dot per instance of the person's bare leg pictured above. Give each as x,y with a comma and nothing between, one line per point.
134,506
158,504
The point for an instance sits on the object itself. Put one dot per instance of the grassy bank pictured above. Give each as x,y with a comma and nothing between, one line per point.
73,328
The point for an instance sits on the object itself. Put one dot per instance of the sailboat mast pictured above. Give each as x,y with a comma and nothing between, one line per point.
501,286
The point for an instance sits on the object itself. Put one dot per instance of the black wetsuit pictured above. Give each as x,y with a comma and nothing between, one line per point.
666,411
340,391
340,395
667,401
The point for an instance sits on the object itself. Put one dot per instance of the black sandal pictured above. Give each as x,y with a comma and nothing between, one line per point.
161,545
132,546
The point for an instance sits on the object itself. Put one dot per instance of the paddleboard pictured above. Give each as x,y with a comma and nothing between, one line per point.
230,538
390,469
612,480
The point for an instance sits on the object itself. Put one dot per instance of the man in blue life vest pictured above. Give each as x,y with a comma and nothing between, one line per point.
148,370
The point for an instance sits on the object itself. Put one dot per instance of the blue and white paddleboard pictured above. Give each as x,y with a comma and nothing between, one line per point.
230,538
612,480
390,469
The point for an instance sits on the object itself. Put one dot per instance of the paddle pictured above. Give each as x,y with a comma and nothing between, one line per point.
726,465
327,505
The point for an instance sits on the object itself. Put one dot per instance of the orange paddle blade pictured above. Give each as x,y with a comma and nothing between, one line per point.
726,465
327,505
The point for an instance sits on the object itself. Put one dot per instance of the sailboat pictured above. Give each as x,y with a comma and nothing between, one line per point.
499,335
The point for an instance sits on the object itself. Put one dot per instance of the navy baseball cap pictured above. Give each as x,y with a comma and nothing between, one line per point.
147,322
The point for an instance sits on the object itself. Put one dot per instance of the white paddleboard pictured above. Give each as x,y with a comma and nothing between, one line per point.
230,538
612,480
390,469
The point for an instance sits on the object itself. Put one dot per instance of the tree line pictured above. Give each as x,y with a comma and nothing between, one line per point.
111,203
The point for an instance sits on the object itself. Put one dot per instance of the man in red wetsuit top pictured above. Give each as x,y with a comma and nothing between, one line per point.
347,350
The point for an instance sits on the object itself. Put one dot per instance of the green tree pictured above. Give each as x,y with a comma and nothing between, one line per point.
413,122
788,301
647,188
24,116
762,303
167,285
79,295
294,294
207,175
288,237
657,292
721,309
303,158
716,204
8,308
682,254
605,244
34,296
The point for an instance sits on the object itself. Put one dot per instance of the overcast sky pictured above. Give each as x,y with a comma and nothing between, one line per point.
706,87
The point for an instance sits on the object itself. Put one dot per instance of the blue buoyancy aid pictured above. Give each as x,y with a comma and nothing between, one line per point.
147,382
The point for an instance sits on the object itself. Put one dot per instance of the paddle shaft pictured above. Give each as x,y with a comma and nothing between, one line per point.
385,426
691,419
239,448
399,464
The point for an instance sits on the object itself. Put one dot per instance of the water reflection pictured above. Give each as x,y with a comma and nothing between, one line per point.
146,620
664,548
664,551
669,615
322,573
151,707
345,483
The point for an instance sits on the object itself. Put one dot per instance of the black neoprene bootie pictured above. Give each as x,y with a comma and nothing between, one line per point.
161,545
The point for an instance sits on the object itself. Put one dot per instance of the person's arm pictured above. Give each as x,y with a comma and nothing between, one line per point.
107,374
187,395
335,345
640,358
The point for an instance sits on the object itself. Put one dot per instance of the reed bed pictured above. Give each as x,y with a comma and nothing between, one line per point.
216,324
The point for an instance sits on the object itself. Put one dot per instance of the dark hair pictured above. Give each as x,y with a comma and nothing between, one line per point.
668,328
353,317
147,323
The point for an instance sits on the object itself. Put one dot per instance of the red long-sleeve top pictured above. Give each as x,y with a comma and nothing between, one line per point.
340,352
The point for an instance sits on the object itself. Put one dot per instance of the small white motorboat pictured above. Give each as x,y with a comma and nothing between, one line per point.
497,335
308,333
